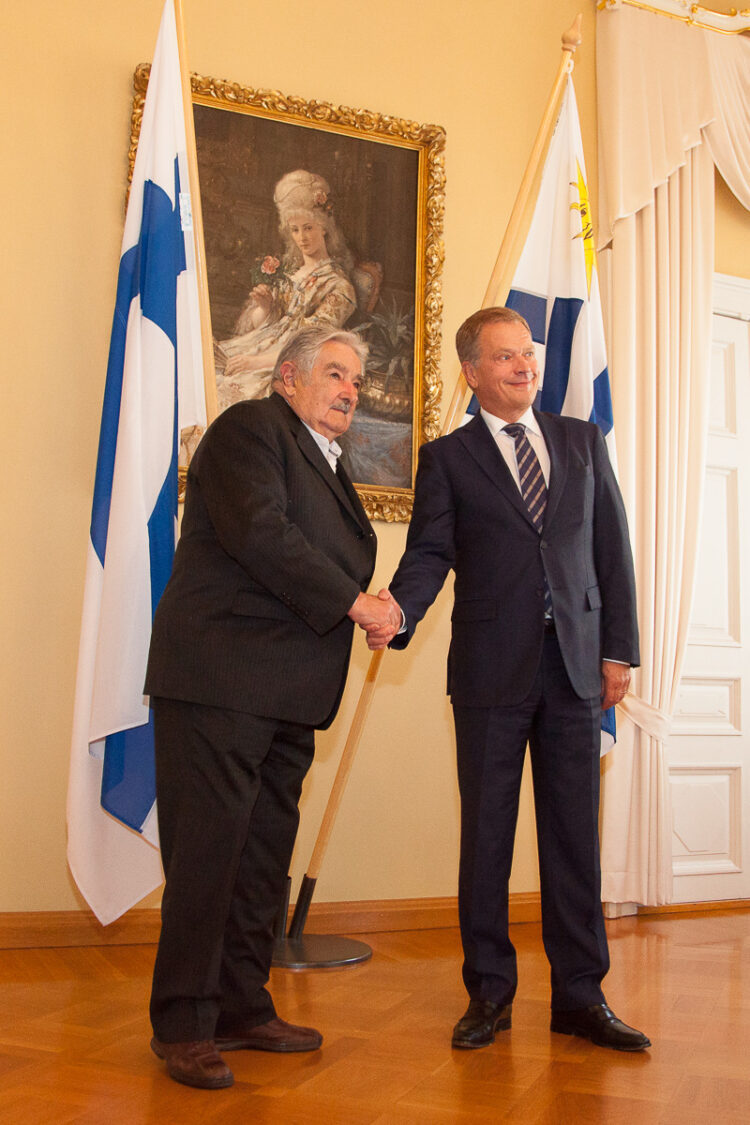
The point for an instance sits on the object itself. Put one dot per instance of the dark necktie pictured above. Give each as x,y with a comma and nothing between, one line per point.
533,487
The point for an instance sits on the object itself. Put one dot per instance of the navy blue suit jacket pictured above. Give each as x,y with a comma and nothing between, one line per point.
469,516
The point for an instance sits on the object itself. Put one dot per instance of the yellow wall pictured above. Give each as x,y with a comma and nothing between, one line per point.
483,71
732,233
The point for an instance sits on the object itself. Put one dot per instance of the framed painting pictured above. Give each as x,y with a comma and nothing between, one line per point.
319,213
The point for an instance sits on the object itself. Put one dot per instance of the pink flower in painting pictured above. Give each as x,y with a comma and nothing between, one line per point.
269,264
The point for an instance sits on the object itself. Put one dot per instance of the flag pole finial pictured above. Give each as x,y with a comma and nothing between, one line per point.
572,38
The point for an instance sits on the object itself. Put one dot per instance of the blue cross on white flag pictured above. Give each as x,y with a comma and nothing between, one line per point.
154,389
556,289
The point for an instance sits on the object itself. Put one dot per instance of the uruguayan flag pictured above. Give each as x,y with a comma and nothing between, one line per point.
154,389
556,289
556,286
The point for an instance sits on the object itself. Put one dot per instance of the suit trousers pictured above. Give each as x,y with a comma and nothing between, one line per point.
228,786
563,734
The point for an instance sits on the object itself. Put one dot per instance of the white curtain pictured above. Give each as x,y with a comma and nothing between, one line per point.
728,135
659,134
660,257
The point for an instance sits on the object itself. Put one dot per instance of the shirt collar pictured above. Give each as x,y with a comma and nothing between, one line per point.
496,424
331,450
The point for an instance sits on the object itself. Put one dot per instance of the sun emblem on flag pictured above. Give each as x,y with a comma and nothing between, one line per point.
587,230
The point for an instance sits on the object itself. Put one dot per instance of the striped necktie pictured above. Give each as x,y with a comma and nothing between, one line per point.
533,487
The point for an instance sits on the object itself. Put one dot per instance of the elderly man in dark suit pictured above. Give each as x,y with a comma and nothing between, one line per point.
249,655
525,508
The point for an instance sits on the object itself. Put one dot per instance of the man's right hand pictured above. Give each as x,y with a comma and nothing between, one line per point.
380,617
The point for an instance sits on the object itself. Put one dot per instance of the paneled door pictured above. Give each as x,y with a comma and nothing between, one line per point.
709,748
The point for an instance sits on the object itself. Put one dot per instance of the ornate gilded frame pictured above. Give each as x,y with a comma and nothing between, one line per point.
427,142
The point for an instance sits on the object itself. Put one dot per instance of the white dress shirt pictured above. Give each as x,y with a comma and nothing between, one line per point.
331,450
507,444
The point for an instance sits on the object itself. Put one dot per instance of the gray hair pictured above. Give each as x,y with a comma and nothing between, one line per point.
303,348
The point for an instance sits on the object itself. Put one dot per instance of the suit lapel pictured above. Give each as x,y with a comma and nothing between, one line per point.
556,439
343,479
483,448
338,481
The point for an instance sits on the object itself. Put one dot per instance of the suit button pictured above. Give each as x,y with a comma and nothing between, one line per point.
544,544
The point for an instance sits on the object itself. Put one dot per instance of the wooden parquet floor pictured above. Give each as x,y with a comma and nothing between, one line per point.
74,1038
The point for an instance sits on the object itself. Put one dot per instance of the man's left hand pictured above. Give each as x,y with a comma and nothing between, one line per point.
615,683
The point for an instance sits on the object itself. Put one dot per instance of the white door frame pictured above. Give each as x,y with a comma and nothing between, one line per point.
708,752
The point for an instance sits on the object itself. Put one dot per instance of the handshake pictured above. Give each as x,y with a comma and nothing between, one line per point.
379,616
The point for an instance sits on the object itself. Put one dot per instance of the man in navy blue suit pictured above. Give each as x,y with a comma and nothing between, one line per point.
525,508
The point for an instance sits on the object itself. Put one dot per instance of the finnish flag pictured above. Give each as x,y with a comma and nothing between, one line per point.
154,389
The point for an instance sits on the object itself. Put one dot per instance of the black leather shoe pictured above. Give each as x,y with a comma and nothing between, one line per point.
478,1024
599,1024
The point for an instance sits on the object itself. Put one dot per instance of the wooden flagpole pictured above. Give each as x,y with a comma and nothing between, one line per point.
207,348
290,952
309,879
520,217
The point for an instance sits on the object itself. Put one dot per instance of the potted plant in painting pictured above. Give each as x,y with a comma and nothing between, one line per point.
388,390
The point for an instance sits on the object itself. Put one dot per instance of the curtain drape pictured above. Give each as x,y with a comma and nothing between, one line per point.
728,135
657,108
661,267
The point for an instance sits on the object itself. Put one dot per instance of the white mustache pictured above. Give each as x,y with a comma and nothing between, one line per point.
344,407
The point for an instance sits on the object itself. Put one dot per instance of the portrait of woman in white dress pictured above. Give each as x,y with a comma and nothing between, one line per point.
308,225
310,284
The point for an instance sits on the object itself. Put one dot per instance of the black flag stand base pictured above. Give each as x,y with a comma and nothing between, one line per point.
298,950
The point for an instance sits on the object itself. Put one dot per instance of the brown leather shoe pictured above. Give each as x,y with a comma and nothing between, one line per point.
478,1024
196,1063
276,1035
600,1024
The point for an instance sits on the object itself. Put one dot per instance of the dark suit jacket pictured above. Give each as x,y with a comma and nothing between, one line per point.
469,515
275,547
